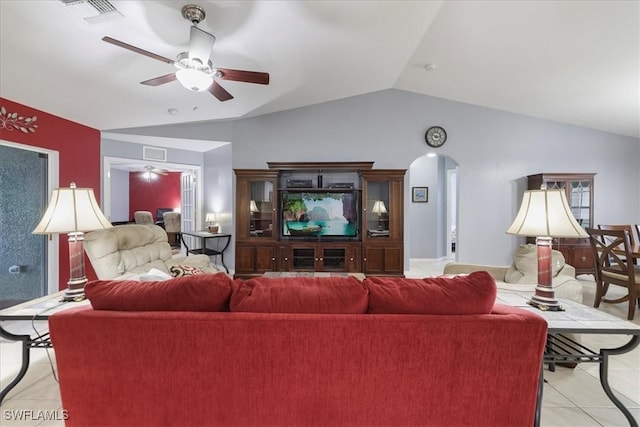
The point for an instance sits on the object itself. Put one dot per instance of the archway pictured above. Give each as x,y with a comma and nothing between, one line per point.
433,224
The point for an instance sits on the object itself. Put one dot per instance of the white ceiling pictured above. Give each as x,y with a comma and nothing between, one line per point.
575,62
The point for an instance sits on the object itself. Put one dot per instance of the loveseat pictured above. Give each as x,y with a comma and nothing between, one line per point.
131,250
333,351
522,274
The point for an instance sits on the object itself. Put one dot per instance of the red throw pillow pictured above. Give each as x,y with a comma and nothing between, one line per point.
469,294
329,295
202,292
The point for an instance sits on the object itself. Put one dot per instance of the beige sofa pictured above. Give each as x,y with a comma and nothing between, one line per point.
522,274
134,249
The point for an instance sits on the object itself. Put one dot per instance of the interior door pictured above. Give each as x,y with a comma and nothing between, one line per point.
188,206
23,198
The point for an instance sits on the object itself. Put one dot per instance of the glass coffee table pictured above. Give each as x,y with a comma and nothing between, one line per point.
578,319
38,309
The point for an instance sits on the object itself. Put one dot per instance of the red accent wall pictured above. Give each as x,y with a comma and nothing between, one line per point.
79,153
162,191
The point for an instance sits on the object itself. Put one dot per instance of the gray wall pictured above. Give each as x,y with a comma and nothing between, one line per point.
494,150
218,193
128,150
424,217
119,195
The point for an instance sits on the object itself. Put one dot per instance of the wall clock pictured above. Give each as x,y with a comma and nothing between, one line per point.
435,136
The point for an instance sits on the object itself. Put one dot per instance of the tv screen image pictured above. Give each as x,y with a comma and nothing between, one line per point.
317,214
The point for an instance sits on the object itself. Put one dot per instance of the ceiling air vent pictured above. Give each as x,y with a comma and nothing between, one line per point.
154,153
93,11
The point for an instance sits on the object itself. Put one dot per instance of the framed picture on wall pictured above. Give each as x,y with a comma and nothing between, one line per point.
420,194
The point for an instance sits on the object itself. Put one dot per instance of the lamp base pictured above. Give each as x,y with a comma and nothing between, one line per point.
77,279
75,290
545,306
75,295
544,297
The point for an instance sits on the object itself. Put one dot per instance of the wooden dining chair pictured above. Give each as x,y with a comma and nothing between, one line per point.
620,227
612,254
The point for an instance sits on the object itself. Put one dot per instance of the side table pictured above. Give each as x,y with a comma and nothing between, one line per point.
579,319
30,311
203,236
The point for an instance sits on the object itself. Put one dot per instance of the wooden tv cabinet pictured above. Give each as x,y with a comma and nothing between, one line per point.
262,240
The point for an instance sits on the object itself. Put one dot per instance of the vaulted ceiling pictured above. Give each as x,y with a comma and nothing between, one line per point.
575,62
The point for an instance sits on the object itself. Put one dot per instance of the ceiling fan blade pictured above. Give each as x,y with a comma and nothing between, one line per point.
160,80
160,171
137,50
219,92
243,76
200,44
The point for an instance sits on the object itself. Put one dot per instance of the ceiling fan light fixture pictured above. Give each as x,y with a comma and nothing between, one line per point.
194,80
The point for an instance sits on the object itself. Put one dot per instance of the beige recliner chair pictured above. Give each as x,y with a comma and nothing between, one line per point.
522,274
133,249
143,217
173,227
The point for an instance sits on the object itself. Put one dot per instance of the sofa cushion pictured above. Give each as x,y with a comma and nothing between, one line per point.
468,294
329,295
203,292
524,268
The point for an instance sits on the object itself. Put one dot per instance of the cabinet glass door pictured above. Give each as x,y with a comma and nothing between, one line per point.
579,198
377,209
261,209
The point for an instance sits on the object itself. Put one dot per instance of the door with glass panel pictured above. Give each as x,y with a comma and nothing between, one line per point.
23,198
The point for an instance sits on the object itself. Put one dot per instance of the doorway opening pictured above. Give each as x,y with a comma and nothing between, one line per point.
115,198
434,224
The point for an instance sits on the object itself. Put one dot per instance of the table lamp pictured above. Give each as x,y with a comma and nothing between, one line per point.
253,208
210,219
73,211
379,208
545,214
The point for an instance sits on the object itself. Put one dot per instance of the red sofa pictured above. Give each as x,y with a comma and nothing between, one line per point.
208,351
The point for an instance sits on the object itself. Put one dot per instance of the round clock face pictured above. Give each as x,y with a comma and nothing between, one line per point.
435,136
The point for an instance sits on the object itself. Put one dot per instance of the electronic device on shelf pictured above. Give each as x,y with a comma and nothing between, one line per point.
340,185
299,183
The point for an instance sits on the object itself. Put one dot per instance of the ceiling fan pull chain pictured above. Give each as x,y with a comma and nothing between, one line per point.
195,104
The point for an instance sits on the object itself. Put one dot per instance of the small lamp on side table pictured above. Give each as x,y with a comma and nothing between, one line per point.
545,214
210,219
253,208
379,208
73,211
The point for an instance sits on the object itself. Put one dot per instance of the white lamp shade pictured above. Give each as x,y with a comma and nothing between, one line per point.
252,206
545,213
379,207
72,210
210,217
194,80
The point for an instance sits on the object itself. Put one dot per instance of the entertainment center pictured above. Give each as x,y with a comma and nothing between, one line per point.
319,216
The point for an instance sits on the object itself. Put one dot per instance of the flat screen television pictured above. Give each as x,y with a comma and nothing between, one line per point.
319,214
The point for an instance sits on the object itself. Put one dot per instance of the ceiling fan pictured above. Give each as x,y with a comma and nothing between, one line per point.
195,69
150,169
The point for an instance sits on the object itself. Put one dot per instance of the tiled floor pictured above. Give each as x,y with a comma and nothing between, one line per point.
572,397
